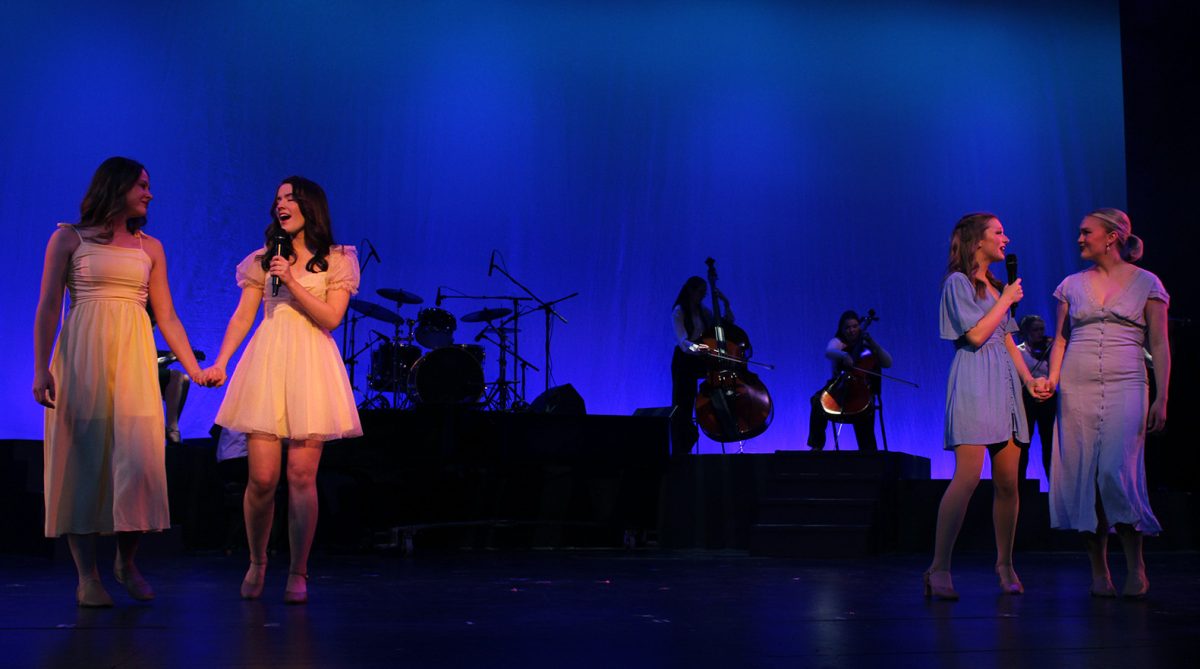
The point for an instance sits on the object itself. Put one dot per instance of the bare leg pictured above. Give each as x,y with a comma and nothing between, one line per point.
1097,550
968,463
303,460
1006,506
258,505
1136,584
126,571
90,591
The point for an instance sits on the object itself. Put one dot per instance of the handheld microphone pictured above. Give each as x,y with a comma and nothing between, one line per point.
438,302
492,263
278,243
1010,263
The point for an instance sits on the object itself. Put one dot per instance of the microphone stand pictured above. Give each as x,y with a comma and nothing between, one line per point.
347,338
543,305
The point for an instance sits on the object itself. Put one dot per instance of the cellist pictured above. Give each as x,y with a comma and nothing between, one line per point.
846,350
689,319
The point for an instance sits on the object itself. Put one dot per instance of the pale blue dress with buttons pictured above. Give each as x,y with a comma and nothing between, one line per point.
1100,436
983,394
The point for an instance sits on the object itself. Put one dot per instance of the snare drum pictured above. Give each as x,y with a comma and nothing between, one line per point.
450,375
390,364
435,327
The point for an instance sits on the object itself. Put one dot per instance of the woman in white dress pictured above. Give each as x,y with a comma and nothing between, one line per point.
290,384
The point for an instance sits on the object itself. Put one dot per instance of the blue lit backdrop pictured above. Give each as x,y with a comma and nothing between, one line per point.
820,154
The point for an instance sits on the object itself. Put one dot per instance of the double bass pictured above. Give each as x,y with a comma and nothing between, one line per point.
733,403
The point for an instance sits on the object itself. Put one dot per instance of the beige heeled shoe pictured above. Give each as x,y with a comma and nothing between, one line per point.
1010,584
90,594
939,585
1136,586
135,584
252,588
1102,586
291,596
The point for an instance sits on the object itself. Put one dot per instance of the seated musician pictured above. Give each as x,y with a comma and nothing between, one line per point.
850,339
1039,413
689,319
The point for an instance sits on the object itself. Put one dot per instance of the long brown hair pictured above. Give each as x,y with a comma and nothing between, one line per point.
968,232
105,198
318,229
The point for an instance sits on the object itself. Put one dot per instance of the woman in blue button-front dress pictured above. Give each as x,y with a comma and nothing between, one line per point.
1108,315
984,411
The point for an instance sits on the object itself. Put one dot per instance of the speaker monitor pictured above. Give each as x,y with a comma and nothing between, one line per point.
562,400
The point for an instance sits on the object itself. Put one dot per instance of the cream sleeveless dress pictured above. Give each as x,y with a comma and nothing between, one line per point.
105,467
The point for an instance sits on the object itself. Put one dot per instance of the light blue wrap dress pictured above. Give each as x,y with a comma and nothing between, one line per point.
983,393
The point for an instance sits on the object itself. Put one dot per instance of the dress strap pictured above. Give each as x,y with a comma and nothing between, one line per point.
73,228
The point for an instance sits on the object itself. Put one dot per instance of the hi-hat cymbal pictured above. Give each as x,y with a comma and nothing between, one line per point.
399,295
485,315
372,310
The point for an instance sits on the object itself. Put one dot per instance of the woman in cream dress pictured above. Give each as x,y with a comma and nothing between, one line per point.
290,384
105,469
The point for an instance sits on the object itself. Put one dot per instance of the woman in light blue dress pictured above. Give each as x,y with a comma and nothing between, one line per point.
1108,315
984,412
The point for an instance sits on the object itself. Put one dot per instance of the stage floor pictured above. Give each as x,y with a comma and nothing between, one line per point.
640,608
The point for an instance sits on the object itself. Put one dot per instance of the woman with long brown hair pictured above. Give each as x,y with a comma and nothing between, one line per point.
290,384
105,468
984,412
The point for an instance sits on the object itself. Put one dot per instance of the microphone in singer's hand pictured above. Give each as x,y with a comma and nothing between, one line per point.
278,243
1010,263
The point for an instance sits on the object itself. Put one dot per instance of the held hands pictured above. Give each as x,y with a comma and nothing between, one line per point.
212,377
43,388
1040,388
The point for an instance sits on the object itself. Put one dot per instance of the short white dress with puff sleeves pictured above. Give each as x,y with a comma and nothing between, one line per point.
290,381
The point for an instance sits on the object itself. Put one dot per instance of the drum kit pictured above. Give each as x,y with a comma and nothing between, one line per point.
420,363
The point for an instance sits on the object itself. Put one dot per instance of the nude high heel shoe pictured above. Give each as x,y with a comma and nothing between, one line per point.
1009,583
939,585
255,579
296,596
90,594
134,583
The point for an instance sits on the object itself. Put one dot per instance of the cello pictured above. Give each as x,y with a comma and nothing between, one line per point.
732,403
851,392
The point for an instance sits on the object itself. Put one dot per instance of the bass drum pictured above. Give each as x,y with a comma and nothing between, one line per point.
450,375
390,364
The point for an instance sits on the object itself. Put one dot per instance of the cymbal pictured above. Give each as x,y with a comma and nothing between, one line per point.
399,295
485,315
372,310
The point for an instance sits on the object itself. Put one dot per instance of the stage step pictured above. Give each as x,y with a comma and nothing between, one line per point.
833,485
811,511
813,541
830,503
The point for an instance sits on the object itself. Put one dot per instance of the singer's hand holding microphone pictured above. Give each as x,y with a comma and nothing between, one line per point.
1012,292
280,269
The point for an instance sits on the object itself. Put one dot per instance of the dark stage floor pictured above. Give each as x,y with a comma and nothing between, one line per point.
603,609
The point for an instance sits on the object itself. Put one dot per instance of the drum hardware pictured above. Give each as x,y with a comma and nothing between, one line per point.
546,307
505,395
435,327
399,296
486,315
